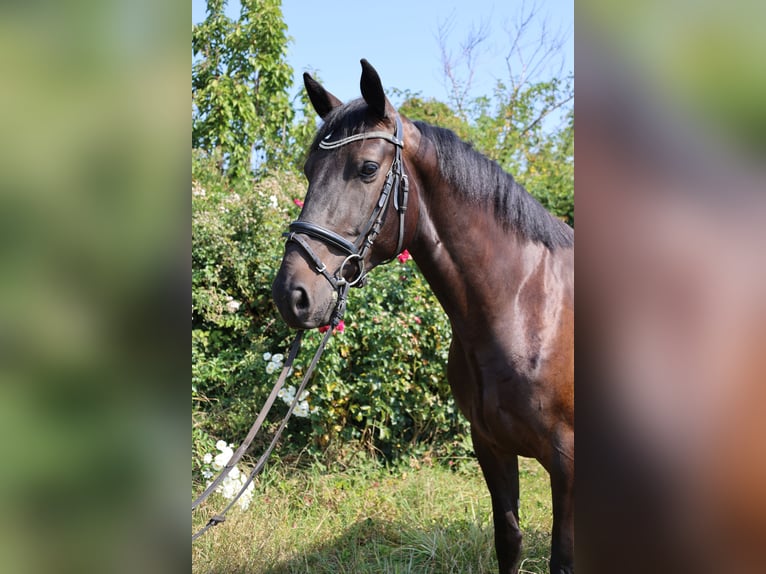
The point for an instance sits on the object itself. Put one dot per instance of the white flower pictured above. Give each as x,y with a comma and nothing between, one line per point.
235,480
229,489
233,305
220,461
278,358
246,497
270,368
301,409
287,394
267,356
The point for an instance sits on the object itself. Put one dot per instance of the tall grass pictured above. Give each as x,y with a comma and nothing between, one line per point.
367,519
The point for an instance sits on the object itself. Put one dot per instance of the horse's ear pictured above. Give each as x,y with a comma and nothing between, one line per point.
322,100
372,90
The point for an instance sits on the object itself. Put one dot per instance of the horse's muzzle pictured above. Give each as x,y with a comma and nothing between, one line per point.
302,304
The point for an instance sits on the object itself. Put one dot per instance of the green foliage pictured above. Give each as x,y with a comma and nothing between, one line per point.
240,79
381,383
236,250
433,112
302,132
550,171
519,130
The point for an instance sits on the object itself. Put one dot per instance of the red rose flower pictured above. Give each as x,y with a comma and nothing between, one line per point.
298,202
339,329
404,256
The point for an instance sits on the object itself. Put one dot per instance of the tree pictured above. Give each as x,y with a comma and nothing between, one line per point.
527,124
240,83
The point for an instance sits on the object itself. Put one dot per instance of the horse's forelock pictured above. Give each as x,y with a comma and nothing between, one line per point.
344,121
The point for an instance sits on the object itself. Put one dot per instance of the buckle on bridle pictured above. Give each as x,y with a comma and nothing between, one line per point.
360,277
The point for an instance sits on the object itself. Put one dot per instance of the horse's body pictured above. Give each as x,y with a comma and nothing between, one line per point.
500,265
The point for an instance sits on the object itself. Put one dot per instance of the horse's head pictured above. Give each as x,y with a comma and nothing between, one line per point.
353,217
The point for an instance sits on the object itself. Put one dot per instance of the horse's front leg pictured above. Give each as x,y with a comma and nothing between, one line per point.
502,476
501,471
562,488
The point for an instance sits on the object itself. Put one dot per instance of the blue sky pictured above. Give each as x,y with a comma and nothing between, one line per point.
400,39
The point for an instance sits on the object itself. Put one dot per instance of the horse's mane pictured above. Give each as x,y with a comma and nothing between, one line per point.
471,174
480,179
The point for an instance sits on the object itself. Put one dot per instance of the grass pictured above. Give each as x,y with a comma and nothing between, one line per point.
366,519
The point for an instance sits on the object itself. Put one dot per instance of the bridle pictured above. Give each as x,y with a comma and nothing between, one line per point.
396,180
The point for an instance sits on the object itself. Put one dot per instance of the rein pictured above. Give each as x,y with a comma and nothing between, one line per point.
295,347
396,179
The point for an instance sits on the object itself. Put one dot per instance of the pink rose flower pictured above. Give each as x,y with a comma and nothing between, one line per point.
298,202
404,256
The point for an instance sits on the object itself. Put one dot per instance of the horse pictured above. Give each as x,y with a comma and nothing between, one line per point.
501,266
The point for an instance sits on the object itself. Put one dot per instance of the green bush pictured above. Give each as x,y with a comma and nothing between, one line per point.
381,384
236,249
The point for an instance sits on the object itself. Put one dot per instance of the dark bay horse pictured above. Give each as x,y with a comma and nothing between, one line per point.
500,265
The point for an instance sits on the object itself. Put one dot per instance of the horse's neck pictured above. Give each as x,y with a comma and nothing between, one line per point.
469,258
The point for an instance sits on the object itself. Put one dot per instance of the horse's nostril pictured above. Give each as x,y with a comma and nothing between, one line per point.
300,299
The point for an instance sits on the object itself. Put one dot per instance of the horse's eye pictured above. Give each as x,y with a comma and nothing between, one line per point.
369,168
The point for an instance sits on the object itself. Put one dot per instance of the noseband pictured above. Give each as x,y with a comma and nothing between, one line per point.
396,179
